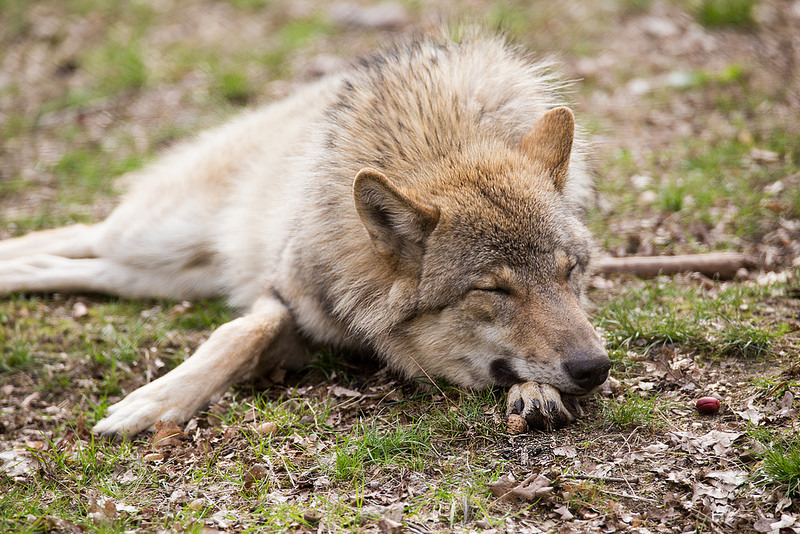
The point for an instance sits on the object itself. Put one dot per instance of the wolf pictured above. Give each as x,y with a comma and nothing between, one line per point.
425,206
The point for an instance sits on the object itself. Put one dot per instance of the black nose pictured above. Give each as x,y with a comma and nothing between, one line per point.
589,370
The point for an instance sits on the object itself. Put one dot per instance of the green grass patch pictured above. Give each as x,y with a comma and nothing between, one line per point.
16,356
742,338
782,466
703,185
776,388
70,463
234,87
719,13
84,172
117,66
287,39
16,22
249,5
633,411
508,18
297,33
647,316
330,362
635,6
369,445
779,464
719,180
666,311
204,314
15,124
81,176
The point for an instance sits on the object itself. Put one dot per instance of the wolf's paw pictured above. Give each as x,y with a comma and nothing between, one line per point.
542,405
143,408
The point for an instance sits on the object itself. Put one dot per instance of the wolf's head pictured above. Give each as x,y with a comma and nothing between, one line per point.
492,256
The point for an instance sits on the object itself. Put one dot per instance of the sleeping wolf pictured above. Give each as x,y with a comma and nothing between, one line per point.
424,206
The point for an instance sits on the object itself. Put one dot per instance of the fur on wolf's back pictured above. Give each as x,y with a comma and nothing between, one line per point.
277,198
406,106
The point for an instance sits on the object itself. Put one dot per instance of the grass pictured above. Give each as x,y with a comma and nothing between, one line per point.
634,411
779,464
401,446
745,339
16,357
667,312
234,87
700,185
86,172
347,458
249,5
717,13
118,66
381,448
68,463
776,387
511,19
716,175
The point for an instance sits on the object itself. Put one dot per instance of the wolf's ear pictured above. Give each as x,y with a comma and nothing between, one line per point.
397,224
549,144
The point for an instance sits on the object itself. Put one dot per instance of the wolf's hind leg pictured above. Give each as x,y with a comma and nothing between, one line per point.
542,405
265,337
75,241
51,273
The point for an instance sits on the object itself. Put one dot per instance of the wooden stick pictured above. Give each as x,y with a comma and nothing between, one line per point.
722,265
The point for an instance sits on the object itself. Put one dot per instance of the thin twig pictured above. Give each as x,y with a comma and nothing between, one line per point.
597,477
448,399
627,495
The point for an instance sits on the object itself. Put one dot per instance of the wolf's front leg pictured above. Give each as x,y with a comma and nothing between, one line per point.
543,406
232,353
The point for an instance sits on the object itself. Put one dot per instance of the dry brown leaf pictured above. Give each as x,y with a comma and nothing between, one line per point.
532,488
564,512
312,516
770,525
566,451
718,441
17,463
390,526
168,434
267,428
339,391
256,473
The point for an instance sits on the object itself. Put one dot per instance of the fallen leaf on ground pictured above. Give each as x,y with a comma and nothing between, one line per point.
568,451
168,434
339,391
17,463
770,525
532,488
564,512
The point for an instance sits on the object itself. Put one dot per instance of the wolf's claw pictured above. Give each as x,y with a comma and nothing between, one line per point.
542,405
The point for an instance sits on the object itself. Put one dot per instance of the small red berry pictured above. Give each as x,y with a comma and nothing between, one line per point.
707,405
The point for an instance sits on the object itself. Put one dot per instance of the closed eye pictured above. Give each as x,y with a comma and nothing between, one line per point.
574,266
493,289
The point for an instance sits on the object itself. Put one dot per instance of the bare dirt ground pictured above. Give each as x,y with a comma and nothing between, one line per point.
697,149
